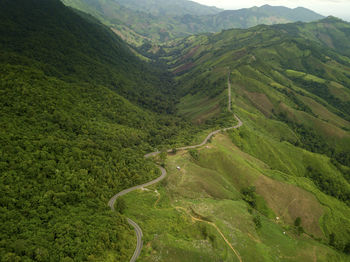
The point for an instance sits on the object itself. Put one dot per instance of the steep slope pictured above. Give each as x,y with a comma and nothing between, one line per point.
245,18
68,138
292,92
141,22
332,32
71,47
264,52
173,8
226,205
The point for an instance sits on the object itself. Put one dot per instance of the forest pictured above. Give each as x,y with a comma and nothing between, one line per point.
80,108
69,137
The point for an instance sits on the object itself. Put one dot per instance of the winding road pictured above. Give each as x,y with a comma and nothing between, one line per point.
112,201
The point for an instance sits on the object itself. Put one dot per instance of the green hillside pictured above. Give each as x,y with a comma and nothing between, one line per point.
173,8
332,32
142,22
80,108
65,45
69,137
223,193
266,14
278,74
293,96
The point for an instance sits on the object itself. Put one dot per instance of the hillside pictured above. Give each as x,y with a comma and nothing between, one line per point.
172,8
80,109
268,15
142,22
227,205
331,32
293,96
76,52
70,138
284,65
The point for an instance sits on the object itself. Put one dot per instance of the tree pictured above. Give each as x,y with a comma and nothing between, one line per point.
332,239
163,156
120,205
297,222
347,248
194,154
257,222
249,195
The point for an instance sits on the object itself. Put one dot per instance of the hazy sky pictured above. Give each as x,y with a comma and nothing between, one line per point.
339,8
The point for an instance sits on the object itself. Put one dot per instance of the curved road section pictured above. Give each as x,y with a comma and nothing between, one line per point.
136,227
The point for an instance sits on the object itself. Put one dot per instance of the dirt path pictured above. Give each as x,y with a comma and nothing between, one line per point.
217,229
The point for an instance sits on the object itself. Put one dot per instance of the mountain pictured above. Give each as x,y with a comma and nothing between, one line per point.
139,22
293,15
313,66
80,108
292,91
85,58
332,32
172,8
245,18
78,112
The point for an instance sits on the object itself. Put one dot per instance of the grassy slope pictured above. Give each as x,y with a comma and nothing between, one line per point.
271,74
209,189
175,8
332,32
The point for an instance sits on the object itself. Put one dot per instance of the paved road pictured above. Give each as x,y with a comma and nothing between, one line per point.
139,236
112,201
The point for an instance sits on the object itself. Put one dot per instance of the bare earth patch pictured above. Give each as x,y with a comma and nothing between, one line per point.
290,202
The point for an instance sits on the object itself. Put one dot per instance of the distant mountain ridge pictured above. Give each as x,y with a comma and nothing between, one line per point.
139,22
266,14
173,7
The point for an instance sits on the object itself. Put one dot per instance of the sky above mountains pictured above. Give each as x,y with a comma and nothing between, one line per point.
338,8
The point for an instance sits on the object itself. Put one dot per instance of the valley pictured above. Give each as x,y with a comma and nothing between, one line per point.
113,200
147,23
245,113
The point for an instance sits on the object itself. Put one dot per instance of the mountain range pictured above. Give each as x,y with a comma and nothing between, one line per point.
80,107
139,22
172,8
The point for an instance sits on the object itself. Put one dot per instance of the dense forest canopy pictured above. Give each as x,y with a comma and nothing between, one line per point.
70,139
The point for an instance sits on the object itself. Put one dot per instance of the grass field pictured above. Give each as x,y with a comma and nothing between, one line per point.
258,192
191,215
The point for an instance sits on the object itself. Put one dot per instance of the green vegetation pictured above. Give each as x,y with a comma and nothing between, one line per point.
285,77
173,8
194,154
331,32
292,93
70,139
147,23
178,216
80,109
